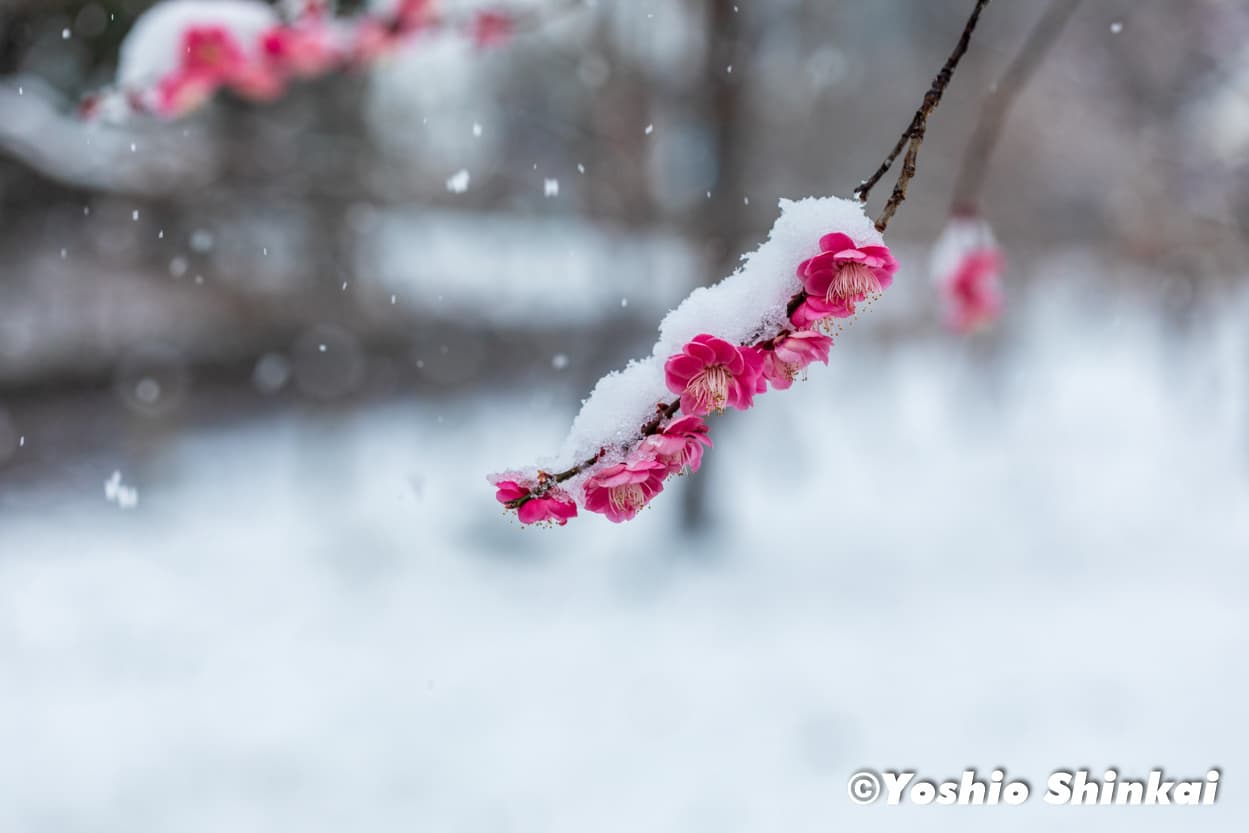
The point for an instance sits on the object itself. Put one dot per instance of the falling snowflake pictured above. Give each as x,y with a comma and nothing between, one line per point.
457,183
126,497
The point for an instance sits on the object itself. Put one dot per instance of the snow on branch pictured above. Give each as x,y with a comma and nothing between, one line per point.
758,329
36,128
181,53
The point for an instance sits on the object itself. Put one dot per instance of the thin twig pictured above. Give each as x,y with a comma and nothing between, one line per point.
866,186
913,136
998,102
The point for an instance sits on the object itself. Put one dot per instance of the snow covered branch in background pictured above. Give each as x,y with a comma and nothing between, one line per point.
181,53
34,128
966,262
757,329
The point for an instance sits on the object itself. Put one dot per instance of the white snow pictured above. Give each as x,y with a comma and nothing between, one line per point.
1035,563
615,410
457,183
126,497
153,46
742,308
550,187
36,127
1216,121
754,297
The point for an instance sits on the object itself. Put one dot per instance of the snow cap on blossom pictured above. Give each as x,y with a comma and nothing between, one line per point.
744,307
710,374
840,276
967,267
554,505
792,352
679,445
619,491
631,432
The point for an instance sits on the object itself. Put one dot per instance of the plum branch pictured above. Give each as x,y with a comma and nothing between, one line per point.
739,350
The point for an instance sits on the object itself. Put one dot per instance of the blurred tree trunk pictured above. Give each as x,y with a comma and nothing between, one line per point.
721,226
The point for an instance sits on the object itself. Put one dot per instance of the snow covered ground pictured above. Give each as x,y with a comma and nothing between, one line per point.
922,560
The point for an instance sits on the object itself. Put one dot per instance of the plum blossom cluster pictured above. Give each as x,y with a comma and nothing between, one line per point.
181,53
759,330
967,267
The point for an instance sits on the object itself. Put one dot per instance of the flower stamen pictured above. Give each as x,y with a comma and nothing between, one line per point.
711,387
627,498
853,281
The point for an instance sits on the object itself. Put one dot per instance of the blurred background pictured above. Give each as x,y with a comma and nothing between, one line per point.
255,366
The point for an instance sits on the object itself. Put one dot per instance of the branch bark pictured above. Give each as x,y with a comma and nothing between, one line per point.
913,136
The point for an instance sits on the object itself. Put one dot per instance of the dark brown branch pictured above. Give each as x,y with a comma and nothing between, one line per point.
866,186
913,136
998,102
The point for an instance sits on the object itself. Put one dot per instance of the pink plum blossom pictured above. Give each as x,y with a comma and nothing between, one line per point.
966,267
414,14
371,40
840,276
619,491
711,374
257,81
491,28
213,58
378,36
210,58
791,353
181,92
555,505
304,51
973,297
679,445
